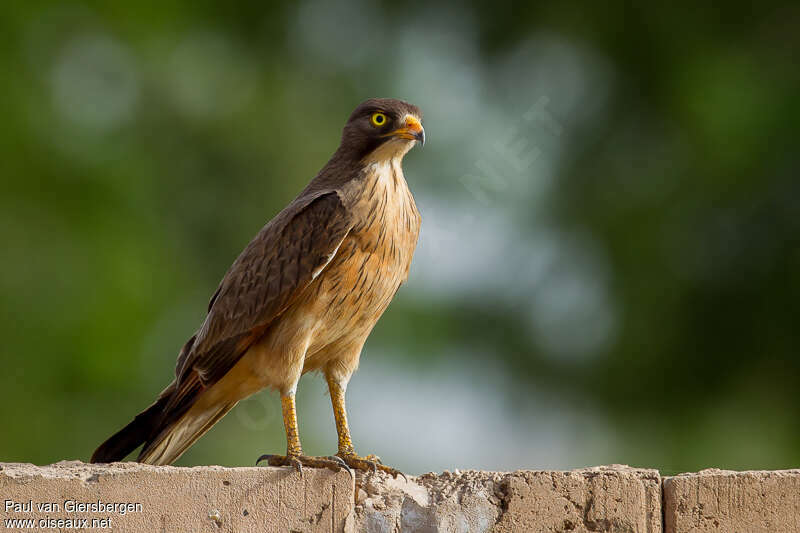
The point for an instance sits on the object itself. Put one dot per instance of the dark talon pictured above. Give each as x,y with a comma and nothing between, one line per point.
266,456
297,465
338,460
402,474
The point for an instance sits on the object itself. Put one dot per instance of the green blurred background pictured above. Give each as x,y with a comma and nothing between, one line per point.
609,266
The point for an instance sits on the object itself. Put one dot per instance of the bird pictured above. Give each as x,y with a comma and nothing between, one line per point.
303,296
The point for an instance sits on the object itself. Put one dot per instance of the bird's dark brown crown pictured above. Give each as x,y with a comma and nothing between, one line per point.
398,108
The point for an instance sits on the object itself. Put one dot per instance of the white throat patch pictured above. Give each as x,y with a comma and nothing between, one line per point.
394,148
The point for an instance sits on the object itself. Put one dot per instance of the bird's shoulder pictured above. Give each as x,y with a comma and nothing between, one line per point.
288,248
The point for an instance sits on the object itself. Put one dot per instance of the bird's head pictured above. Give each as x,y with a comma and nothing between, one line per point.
382,128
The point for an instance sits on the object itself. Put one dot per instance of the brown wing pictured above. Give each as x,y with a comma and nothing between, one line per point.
261,284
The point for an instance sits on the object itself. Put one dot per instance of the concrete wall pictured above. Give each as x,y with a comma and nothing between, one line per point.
132,497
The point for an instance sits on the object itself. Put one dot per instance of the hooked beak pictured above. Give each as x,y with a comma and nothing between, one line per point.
411,130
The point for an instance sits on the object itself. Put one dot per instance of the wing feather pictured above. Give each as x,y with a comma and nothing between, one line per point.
269,274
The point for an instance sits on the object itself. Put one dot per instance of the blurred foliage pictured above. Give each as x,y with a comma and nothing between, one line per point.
143,144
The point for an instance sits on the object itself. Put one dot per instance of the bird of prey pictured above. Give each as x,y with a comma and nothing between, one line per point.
303,296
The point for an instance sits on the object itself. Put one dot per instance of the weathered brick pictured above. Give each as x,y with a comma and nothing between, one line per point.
210,498
733,502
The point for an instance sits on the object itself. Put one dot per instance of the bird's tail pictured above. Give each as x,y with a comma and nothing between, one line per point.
127,439
165,436
173,440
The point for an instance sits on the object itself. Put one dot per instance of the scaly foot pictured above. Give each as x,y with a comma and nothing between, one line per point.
299,461
370,463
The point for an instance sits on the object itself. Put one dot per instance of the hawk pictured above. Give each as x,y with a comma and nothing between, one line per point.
302,296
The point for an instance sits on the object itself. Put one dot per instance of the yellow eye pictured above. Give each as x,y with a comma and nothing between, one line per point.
378,119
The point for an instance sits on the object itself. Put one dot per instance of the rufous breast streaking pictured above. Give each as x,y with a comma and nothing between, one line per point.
302,296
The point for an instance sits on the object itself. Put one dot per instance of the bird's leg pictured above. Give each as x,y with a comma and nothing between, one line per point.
346,450
294,451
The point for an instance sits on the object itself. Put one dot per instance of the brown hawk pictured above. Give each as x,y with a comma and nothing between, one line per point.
302,296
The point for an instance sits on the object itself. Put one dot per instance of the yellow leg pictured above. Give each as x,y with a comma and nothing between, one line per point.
293,446
346,450
340,414
294,451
